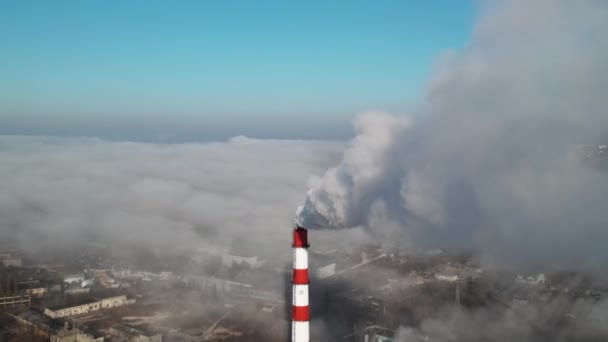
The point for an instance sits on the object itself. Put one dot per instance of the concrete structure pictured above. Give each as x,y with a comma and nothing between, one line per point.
33,288
74,335
12,302
88,306
300,323
122,332
52,330
43,326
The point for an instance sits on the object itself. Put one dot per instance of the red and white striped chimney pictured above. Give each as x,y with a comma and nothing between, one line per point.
300,312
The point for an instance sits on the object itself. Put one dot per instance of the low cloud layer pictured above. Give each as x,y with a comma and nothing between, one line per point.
489,158
58,190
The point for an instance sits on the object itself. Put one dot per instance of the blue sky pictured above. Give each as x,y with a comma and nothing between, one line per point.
205,70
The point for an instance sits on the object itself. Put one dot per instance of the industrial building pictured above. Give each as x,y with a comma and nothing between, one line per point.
216,284
54,330
87,306
75,335
363,294
125,333
33,289
12,302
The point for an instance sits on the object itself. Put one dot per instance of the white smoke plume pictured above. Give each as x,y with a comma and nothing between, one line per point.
363,168
488,158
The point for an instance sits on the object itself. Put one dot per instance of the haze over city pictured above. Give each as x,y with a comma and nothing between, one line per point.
447,162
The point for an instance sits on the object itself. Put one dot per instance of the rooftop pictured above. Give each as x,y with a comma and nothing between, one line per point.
40,320
131,331
68,303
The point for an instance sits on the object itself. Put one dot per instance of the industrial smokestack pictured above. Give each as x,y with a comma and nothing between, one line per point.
300,324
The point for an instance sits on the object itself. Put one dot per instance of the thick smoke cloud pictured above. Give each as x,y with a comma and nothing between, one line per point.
584,322
62,190
488,160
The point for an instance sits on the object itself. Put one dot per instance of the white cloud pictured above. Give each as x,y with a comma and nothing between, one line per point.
186,195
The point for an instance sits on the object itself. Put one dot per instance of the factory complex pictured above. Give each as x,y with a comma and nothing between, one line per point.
367,293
